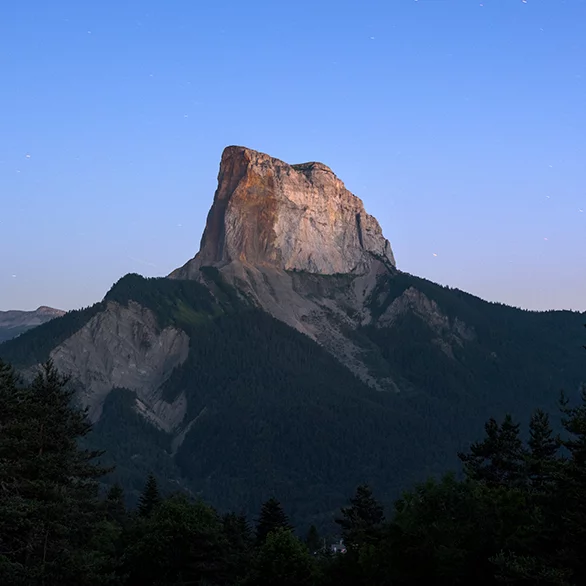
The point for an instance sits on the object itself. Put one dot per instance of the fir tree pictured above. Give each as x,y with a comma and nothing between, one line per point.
239,537
49,504
150,498
272,517
114,504
570,504
499,459
313,540
362,520
237,530
543,450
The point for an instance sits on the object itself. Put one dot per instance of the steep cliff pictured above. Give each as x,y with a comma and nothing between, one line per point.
290,217
124,347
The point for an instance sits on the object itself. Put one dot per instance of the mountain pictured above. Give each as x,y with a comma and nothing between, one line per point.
14,322
298,245
291,357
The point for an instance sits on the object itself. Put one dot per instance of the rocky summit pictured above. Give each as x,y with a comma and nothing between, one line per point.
290,217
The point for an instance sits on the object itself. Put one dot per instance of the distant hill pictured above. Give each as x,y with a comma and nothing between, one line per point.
14,322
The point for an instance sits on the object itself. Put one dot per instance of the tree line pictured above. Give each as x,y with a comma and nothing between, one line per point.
516,516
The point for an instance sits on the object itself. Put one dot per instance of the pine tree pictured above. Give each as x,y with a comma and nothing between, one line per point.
499,459
571,488
560,483
150,498
272,516
543,450
239,537
313,540
114,504
49,503
237,530
361,522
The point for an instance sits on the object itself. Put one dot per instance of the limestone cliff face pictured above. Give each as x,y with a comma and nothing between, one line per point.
124,347
289,217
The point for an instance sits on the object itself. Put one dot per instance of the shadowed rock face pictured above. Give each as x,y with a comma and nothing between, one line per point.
124,347
289,217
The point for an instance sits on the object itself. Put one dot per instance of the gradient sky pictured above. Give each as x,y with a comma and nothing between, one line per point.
460,123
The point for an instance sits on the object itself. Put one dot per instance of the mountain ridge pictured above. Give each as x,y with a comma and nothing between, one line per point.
14,322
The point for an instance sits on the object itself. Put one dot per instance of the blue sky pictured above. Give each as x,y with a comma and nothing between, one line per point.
460,123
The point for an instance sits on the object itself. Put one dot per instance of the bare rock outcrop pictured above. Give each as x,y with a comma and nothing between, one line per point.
290,217
449,333
124,347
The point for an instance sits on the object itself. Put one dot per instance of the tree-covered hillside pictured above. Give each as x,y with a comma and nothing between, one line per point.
269,412
516,516
9,333
509,360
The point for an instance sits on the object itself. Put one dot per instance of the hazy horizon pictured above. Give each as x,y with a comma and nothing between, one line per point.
461,125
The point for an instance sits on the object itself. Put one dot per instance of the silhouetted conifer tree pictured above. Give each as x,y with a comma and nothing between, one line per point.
543,450
48,502
272,516
114,504
150,497
499,459
313,540
361,521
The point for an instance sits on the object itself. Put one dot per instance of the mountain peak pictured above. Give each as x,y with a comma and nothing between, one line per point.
290,217
44,309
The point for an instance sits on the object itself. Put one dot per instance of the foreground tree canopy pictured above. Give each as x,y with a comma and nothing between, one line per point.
517,516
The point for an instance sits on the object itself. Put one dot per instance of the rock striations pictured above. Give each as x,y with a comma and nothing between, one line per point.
290,217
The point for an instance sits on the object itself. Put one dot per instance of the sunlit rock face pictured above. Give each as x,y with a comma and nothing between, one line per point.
290,217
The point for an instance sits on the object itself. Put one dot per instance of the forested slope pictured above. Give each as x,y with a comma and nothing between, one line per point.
270,412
